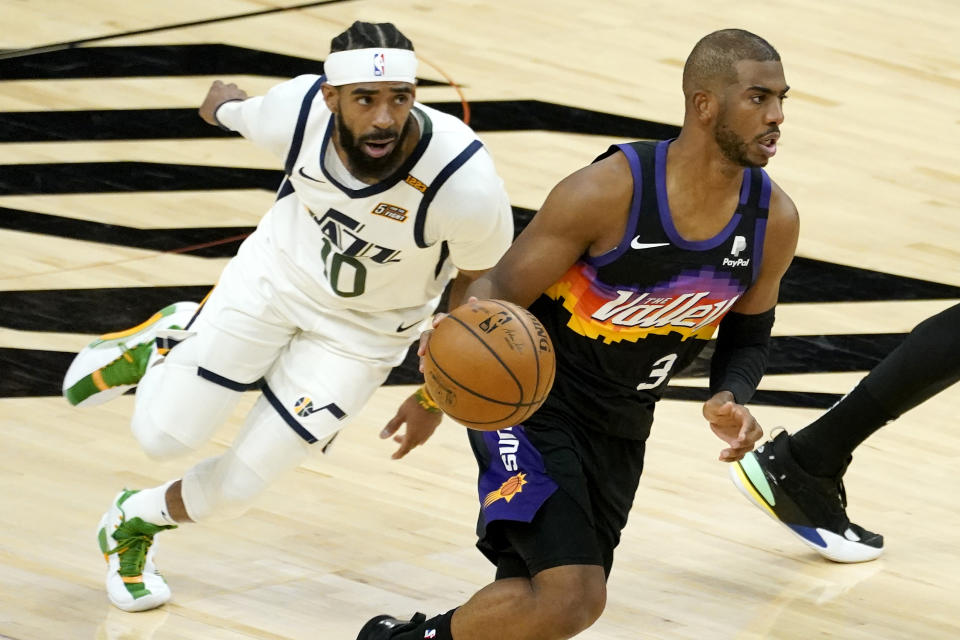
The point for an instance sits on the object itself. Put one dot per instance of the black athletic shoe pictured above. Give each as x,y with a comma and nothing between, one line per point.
384,627
813,508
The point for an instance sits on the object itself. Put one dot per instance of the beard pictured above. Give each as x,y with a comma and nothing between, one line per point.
732,146
365,166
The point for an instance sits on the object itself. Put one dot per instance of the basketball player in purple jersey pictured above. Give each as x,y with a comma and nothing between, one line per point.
632,264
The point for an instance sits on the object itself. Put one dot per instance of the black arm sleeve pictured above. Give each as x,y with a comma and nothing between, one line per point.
740,357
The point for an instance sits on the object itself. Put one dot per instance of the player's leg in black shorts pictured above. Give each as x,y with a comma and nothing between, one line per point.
576,493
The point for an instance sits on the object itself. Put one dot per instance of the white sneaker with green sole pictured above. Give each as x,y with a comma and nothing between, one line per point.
115,362
133,582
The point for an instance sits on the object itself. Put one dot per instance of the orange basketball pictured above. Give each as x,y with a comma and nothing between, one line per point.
489,364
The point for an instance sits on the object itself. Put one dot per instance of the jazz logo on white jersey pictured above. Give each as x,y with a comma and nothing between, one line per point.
342,251
343,233
739,244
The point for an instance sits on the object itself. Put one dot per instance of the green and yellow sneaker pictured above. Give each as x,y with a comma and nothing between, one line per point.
133,582
115,362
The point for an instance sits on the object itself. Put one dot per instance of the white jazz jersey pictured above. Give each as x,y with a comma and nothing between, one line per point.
376,255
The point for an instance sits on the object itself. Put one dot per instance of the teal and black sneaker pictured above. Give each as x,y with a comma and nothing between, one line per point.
811,507
115,362
133,582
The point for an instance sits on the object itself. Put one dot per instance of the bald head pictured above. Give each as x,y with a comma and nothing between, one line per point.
713,62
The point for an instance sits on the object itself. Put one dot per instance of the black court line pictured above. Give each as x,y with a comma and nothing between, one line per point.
85,310
204,242
793,399
184,123
32,373
158,60
833,353
807,280
70,44
114,177
76,311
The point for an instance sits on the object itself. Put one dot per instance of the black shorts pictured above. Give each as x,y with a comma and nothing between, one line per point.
571,501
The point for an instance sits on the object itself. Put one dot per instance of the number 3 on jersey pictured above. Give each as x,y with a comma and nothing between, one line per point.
659,373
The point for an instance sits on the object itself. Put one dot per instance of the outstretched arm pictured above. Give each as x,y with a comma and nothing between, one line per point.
218,95
268,121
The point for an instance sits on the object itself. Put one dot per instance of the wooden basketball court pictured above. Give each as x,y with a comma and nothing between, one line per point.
115,196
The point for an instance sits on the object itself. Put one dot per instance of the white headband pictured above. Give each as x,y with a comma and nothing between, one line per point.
371,65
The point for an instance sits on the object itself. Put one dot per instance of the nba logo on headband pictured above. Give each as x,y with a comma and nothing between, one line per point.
347,67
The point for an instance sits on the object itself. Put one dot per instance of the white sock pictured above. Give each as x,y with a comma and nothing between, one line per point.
150,505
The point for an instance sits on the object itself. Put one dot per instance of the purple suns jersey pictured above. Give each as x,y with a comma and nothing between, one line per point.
625,322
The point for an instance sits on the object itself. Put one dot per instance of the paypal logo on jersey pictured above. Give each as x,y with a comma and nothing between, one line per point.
739,244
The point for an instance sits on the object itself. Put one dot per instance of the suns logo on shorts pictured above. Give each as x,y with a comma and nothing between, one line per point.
391,211
507,490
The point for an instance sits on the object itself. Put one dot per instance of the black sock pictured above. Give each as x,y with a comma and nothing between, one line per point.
824,447
436,628
926,363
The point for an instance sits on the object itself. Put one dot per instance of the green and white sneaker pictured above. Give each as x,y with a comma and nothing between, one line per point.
115,362
133,582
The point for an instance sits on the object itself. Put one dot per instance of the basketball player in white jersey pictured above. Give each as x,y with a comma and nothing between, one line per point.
384,202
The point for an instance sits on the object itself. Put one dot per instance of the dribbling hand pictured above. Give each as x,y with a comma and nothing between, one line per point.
425,336
734,424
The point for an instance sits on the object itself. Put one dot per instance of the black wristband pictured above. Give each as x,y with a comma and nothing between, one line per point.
740,357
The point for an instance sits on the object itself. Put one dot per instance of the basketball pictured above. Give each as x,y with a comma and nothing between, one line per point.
489,364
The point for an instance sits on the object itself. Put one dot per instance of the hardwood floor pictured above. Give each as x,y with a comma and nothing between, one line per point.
105,209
